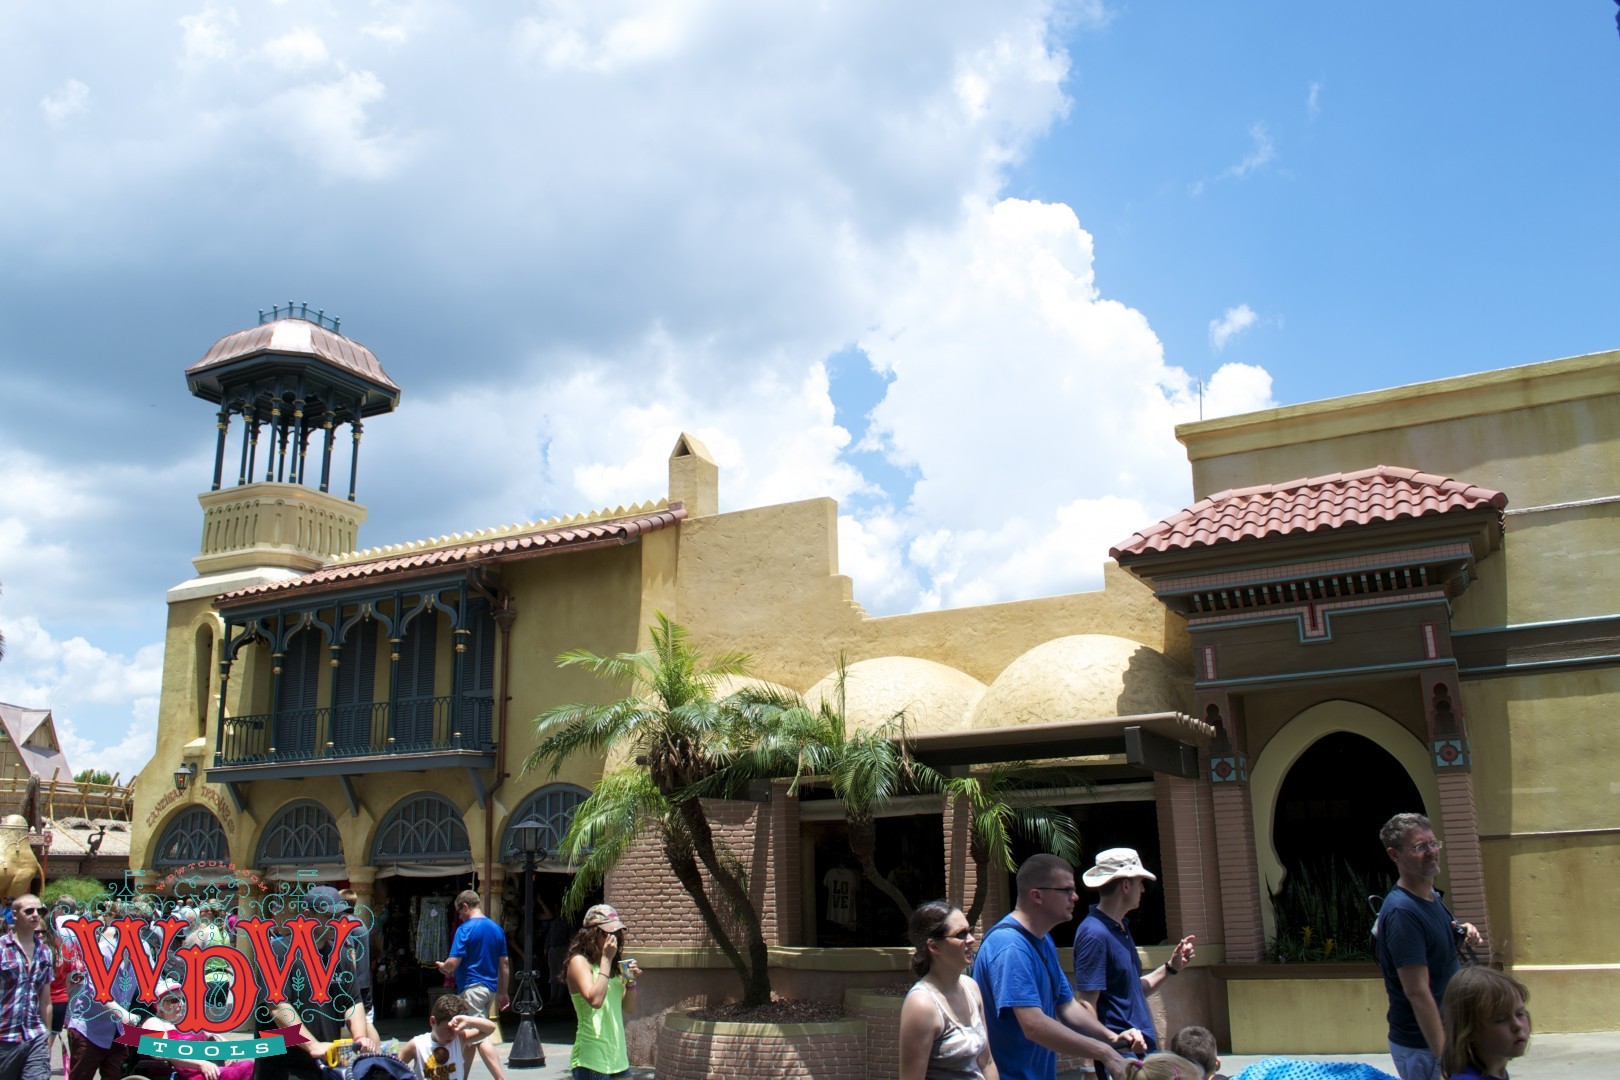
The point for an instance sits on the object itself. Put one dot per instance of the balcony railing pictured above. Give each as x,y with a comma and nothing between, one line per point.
414,726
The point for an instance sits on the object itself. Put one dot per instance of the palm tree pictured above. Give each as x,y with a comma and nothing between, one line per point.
678,735
783,736
996,813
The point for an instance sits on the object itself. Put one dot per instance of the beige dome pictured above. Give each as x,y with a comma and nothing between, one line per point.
1084,677
935,698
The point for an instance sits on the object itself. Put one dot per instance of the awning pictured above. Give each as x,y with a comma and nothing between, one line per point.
1159,742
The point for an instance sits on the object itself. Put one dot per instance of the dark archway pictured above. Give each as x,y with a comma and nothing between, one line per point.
1325,832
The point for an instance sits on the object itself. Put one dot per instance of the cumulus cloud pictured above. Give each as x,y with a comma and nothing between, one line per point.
70,101
72,677
1234,322
570,235
296,50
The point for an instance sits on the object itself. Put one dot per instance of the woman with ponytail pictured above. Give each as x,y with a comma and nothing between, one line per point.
942,1033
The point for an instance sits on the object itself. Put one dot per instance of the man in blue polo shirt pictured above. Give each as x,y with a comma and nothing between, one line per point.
1030,1011
1107,970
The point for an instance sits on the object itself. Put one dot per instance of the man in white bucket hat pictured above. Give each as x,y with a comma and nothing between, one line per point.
1107,969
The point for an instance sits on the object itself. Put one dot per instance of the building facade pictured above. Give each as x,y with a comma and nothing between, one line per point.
362,716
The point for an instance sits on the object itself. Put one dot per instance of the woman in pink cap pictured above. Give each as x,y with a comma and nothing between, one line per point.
603,990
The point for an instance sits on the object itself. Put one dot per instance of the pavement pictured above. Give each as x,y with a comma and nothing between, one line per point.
1589,1056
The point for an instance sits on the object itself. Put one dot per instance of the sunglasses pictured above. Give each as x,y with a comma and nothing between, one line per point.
960,935
31,911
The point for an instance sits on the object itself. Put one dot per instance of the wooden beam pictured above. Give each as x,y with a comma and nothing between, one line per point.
1148,750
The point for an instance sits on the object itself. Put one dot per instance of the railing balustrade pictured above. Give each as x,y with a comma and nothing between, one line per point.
419,725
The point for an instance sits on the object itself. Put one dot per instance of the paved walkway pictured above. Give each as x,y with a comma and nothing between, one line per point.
1594,1056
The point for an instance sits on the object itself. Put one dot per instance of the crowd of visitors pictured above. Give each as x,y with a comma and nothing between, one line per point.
1005,1010
1019,1010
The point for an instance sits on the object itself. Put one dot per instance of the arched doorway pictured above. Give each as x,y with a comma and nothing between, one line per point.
1329,808
423,858
1399,769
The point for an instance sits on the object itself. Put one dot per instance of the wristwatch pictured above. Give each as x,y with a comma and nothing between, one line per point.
1171,970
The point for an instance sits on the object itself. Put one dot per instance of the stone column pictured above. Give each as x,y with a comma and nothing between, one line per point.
961,877
784,925
1192,896
1238,868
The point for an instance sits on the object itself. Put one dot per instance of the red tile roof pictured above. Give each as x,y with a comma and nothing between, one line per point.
547,541
1383,493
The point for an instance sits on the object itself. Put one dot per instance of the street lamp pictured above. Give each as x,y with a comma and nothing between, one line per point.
185,773
526,1050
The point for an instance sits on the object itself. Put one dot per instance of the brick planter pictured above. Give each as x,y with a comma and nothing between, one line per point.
691,1049
881,1014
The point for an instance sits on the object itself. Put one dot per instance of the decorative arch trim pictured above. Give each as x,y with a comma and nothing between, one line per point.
194,835
422,828
553,804
303,831
1298,735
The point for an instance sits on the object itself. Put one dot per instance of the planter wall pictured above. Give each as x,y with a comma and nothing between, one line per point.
881,1014
1337,1009
691,1049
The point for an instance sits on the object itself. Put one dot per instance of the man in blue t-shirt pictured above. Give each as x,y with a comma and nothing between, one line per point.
1107,970
1415,942
1029,1009
478,956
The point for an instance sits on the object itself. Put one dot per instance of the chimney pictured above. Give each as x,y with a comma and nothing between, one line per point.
694,478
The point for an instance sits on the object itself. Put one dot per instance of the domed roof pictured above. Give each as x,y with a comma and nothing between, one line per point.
295,339
1084,677
935,698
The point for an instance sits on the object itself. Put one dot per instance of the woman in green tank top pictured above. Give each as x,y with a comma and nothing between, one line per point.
602,991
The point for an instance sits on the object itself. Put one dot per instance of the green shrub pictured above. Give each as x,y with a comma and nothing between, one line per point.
1322,914
85,890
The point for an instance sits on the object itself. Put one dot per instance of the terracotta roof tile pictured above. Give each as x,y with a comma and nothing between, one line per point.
1383,493
543,541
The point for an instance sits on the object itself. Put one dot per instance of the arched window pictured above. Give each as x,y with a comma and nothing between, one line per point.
425,828
194,836
203,673
554,805
301,832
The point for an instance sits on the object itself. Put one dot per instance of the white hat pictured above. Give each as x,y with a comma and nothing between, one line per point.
165,987
1115,863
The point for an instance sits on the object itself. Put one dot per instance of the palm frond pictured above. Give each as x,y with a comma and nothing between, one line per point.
606,825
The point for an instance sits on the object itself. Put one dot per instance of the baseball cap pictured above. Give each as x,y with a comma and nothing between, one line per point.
1115,863
604,916
324,900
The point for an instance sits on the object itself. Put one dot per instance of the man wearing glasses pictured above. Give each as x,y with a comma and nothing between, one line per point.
26,968
1415,940
1030,1010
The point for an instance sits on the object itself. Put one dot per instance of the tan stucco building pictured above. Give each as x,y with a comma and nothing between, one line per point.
361,716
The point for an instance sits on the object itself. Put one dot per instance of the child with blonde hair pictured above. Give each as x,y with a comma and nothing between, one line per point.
1163,1067
1486,1023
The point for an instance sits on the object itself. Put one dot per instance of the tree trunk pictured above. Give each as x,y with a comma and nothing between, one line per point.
863,844
687,873
757,981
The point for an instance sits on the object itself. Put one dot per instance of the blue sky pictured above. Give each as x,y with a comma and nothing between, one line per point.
960,266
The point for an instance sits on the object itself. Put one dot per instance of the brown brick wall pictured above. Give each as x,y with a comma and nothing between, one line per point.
960,874
762,837
1240,889
1192,894
691,1056
882,1016
1464,863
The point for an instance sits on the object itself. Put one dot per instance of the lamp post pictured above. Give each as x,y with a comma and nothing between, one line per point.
526,1050
185,773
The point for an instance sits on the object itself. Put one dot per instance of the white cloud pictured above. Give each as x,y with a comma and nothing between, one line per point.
1234,322
70,676
1039,414
296,50
330,126
70,101
1313,99
204,36
1263,152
